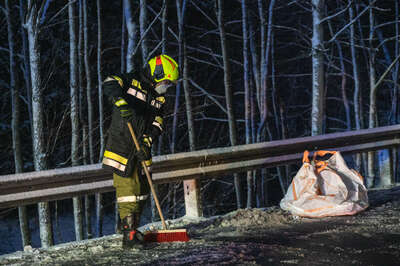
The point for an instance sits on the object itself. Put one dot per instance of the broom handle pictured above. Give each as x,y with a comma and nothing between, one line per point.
148,177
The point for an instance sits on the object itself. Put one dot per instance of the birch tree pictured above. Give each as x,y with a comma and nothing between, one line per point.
74,114
25,61
15,87
372,121
132,31
356,78
263,94
246,85
98,196
82,117
191,187
164,27
318,86
89,88
32,25
143,26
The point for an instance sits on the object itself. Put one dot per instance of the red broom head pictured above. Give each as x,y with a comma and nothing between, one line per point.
160,236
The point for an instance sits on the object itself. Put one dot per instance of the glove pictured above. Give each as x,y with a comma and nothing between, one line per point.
125,111
145,149
148,164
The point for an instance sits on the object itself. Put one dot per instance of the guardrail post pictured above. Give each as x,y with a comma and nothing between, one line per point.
395,164
391,167
193,203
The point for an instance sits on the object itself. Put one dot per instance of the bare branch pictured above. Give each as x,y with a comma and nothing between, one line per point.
386,72
169,28
338,13
202,12
147,30
351,22
209,96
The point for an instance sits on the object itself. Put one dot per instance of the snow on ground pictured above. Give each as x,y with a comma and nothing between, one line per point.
268,236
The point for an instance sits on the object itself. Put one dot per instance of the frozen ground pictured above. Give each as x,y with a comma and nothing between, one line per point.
251,237
63,229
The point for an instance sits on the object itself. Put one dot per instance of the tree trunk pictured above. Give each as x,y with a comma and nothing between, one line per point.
39,151
318,86
344,79
81,96
131,27
15,121
246,85
100,81
89,106
88,81
73,63
164,27
372,99
364,158
263,65
228,92
25,64
98,196
282,115
396,104
88,217
143,26
282,175
261,72
356,78
123,42
88,224
191,187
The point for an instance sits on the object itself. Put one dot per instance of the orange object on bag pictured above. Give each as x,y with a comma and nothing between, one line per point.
325,187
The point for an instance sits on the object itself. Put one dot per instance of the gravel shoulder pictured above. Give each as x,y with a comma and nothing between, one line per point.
267,236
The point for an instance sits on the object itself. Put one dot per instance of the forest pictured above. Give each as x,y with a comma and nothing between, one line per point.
250,71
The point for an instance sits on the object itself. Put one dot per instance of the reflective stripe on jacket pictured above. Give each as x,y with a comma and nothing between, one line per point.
147,119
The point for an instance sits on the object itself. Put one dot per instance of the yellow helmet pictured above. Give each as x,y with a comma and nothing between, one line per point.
163,67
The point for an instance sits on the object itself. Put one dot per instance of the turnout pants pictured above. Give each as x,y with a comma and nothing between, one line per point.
131,192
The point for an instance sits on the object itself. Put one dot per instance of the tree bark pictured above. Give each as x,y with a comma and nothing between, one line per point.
87,210
356,78
100,80
73,64
246,85
38,135
143,26
25,64
88,81
318,86
191,187
164,27
98,196
123,42
15,123
228,92
131,27
372,98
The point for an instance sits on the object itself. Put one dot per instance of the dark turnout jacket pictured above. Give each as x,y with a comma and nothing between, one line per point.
132,90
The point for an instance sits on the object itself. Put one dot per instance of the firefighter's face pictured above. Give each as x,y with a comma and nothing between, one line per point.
163,86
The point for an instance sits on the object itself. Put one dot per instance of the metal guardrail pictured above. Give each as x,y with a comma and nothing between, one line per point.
62,183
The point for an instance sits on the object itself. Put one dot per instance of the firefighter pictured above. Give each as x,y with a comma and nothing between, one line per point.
137,97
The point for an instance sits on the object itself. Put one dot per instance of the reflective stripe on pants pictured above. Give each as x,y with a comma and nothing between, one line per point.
126,187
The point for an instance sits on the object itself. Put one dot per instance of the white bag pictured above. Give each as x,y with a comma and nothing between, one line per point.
325,188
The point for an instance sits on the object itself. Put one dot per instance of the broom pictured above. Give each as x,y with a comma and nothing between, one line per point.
164,235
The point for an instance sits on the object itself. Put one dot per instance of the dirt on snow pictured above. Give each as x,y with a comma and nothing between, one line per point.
267,236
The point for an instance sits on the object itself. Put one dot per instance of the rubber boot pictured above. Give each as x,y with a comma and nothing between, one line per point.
131,237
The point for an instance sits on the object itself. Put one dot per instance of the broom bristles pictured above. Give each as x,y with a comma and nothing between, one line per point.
177,235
